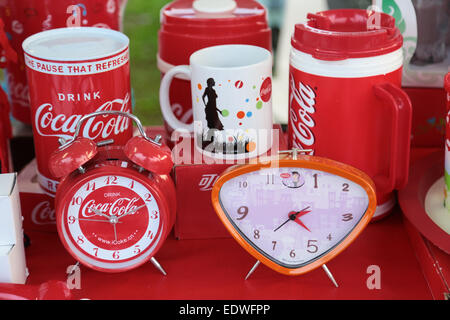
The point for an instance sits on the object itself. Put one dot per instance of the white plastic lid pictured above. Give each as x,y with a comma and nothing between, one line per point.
75,44
214,6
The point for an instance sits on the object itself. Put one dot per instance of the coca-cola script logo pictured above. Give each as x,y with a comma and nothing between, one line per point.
266,90
49,123
116,208
302,101
43,214
18,91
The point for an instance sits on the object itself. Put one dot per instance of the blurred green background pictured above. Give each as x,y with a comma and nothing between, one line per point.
141,24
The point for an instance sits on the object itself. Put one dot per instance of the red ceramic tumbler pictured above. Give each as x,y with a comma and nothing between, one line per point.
73,72
24,18
188,26
345,98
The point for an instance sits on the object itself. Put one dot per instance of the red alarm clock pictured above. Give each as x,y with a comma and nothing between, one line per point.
115,205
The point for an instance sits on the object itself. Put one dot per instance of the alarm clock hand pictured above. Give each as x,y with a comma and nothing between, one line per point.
298,221
132,211
115,231
99,213
293,217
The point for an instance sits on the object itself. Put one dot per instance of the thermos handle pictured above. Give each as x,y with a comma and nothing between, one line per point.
401,107
164,98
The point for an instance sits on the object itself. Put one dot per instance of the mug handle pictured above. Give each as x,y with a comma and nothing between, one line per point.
164,98
401,107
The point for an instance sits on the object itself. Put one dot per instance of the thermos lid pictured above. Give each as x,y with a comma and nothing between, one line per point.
213,12
347,33
191,25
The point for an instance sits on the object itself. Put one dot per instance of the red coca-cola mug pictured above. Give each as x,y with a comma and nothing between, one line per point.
24,18
345,98
73,72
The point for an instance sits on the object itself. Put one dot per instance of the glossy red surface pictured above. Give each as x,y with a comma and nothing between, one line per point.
346,33
154,158
63,162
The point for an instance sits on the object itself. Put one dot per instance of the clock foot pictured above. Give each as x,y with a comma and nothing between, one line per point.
330,275
252,270
158,266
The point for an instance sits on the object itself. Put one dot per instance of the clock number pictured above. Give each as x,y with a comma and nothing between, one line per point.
96,251
148,197
89,187
256,234
270,179
274,245
137,250
72,219
347,217
312,247
132,184
292,254
243,184
150,235
329,237
111,180
116,255
243,211
80,240
316,184
154,215
345,187
76,201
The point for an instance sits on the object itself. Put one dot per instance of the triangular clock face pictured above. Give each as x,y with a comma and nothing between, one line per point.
298,216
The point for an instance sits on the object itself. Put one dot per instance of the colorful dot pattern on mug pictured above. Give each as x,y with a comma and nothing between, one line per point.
239,84
225,113
241,114
259,105
199,86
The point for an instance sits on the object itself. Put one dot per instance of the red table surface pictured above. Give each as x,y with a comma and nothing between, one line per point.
215,269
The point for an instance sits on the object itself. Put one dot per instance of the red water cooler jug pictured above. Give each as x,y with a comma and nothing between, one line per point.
188,26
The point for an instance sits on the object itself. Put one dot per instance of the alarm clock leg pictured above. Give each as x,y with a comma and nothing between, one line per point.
158,266
252,269
330,275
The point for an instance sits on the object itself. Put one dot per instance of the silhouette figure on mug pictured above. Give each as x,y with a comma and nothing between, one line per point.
211,110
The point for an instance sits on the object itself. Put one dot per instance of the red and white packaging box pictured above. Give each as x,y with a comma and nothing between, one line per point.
196,218
10,214
37,207
12,252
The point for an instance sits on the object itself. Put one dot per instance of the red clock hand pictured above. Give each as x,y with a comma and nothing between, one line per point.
297,218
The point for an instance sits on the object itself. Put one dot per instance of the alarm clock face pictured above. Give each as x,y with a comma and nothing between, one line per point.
111,222
293,216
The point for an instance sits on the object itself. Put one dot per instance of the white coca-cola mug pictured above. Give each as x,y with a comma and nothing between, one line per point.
231,89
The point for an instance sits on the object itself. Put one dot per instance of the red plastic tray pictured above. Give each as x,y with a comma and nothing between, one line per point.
215,269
